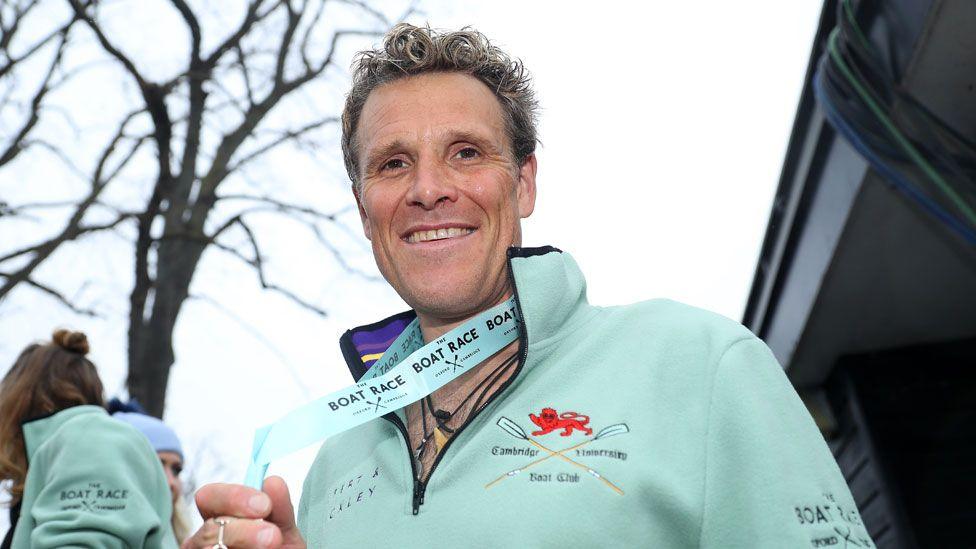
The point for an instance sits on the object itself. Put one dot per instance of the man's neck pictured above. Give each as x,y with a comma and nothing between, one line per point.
462,397
433,326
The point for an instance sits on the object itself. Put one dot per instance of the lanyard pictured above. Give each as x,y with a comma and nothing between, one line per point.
390,384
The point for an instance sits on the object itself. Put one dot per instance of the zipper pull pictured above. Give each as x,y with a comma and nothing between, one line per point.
416,497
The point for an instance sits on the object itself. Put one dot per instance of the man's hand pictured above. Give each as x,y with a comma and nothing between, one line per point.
255,519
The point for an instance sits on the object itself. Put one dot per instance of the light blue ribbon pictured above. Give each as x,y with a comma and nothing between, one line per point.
390,384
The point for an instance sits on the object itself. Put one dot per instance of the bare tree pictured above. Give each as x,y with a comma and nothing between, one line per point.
12,55
201,125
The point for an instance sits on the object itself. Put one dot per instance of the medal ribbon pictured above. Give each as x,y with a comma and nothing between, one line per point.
390,384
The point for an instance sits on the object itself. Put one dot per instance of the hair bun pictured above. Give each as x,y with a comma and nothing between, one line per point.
75,342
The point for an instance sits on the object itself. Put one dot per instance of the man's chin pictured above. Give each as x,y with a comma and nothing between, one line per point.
455,288
448,300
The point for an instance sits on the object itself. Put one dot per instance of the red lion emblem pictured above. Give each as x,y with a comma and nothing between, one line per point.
548,422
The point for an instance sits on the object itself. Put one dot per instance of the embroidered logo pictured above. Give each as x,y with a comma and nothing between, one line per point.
848,530
548,422
94,498
515,430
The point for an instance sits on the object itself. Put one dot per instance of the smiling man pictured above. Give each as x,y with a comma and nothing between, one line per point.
440,194
654,425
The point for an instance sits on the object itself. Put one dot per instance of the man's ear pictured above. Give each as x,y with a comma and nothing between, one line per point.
525,188
357,192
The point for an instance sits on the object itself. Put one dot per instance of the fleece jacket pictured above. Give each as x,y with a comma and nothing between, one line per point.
92,481
648,425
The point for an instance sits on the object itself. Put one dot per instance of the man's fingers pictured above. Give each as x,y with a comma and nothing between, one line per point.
243,509
238,533
215,500
251,533
282,513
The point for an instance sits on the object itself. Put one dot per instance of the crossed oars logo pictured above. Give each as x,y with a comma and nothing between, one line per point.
455,363
516,431
377,404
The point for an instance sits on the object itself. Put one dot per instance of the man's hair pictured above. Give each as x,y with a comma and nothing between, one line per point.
45,379
409,50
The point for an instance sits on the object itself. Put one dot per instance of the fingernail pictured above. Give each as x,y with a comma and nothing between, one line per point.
259,503
265,537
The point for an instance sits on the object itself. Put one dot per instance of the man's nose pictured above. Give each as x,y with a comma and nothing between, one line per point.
433,183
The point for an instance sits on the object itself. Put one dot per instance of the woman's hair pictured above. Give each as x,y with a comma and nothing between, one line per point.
45,379
182,527
409,50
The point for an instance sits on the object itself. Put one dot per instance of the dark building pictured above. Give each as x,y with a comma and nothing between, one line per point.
868,299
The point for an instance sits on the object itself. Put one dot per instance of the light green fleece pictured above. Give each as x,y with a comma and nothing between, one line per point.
92,481
718,451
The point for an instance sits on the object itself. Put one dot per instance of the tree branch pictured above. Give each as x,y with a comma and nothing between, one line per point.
65,236
252,16
7,209
338,256
285,137
232,141
306,38
197,73
73,228
57,152
231,99
316,71
246,74
294,18
55,294
280,206
257,262
16,145
191,21
153,95
107,45
7,32
372,11
277,206
13,61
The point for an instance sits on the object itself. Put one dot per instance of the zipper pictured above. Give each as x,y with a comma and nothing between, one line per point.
417,496
420,487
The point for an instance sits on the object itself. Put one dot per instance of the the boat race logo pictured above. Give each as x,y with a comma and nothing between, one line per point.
567,424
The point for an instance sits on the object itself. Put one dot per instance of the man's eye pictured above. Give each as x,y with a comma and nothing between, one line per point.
467,152
393,164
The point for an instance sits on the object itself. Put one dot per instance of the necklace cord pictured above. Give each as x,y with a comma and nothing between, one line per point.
438,415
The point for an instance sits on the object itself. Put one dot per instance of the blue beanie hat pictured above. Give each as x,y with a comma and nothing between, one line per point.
160,435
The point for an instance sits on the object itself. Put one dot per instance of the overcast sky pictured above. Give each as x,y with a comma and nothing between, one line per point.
664,126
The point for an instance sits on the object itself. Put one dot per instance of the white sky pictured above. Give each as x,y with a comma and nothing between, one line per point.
664,126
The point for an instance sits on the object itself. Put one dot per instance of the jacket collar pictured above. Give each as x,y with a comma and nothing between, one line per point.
37,431
549,290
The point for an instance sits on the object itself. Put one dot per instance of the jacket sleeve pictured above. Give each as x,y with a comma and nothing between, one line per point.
103,487
770,480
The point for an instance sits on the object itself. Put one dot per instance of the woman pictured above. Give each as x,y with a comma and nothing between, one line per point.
167,446
76,477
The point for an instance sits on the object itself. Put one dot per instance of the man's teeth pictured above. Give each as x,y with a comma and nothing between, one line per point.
437,234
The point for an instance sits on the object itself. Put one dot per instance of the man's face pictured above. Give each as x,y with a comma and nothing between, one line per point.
441,198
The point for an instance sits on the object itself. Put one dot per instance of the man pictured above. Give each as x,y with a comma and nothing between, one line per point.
653,425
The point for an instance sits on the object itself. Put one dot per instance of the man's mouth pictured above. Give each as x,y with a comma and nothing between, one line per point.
437,234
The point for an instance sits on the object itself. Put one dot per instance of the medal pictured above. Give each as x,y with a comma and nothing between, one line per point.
389,385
